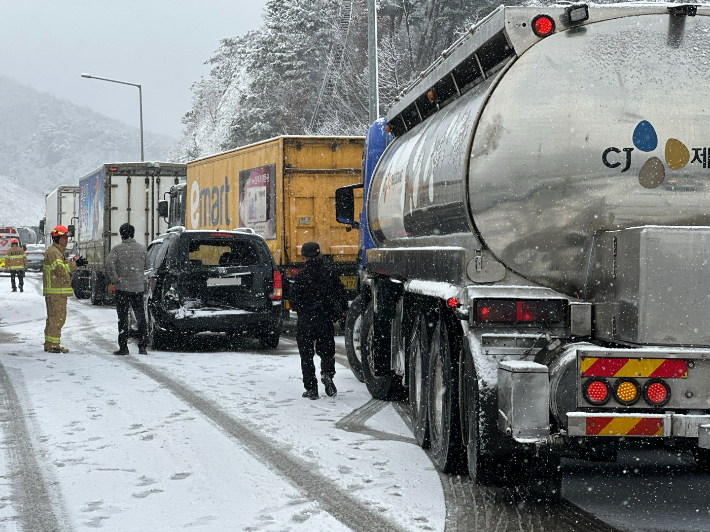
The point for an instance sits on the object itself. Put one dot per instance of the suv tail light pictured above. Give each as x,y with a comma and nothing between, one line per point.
277,287
521,311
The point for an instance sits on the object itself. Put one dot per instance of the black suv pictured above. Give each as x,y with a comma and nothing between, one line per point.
216,281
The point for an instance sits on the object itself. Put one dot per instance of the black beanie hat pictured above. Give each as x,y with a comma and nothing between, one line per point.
310,250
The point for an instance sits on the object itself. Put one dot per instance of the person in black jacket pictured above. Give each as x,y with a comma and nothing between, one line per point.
319,298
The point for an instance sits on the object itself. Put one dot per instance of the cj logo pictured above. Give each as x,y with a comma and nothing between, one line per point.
653,171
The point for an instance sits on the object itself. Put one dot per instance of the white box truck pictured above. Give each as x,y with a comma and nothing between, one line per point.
61,207
110,196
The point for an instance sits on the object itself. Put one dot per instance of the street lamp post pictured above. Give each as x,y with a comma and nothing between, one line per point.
140,100
374,98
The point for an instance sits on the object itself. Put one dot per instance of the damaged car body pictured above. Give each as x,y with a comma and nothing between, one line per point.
212,281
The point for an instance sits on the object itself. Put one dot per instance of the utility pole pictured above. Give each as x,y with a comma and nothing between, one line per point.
374,99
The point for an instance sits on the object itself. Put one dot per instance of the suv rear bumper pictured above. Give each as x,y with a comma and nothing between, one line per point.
221,320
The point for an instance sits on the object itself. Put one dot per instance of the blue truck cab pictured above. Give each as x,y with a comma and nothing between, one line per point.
376,142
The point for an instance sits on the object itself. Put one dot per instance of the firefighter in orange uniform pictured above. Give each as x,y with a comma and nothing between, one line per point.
57,288
16,264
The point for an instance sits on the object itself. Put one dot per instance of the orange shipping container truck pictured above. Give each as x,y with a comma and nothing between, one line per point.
283,189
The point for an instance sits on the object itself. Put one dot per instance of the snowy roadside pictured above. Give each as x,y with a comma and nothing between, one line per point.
124,452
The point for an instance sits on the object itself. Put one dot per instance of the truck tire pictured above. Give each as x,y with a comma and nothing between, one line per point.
97,288
418,368
78,284
384,387
353,334
482,467
443,401
95,298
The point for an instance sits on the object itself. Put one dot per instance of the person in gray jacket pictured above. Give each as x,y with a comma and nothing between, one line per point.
124,267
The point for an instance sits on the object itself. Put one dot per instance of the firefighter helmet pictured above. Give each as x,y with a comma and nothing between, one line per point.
59,230
14,241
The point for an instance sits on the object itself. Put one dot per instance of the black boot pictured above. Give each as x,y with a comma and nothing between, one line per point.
327,380
311,394
21,289
14,289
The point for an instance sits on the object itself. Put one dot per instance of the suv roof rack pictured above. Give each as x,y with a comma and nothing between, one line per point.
177,229
247,230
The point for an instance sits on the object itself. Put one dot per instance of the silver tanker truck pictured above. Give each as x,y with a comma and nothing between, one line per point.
540,282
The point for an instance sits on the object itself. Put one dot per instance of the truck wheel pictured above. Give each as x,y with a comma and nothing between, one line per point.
481,467
96,289
418,380
702,458
444,427
353,333
95,298
384,387
78,284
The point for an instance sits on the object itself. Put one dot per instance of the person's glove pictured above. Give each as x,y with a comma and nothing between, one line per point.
111,288
81,261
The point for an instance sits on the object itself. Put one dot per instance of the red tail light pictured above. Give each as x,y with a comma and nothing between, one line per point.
543,25
596,391
277,289
656,392
524,311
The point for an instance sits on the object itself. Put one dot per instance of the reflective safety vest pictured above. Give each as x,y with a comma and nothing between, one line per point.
15,258
57,272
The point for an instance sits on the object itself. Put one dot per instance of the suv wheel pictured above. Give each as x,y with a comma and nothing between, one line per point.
158,339
269,340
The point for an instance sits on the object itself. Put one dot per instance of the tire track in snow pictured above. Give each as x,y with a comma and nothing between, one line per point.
355,422
36,510
330,497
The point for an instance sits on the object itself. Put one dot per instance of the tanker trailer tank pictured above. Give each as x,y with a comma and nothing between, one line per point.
541,219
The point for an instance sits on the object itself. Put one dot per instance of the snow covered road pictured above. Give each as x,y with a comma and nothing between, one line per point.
218,438
197,439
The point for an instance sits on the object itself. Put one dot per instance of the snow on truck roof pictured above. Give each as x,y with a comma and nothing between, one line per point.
492,42
284,138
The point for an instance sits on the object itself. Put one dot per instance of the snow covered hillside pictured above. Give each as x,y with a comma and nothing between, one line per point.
46,142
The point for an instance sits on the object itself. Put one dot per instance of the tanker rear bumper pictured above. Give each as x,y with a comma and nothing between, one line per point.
635,425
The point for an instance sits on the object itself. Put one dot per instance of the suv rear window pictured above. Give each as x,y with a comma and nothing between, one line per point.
223,251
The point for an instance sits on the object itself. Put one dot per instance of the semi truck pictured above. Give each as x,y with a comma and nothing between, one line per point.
538,282
61,207
283,189
110,196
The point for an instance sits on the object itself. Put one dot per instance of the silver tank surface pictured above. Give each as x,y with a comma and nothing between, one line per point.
602,127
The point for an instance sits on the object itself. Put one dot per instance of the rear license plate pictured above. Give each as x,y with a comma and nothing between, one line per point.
350,281
224,281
